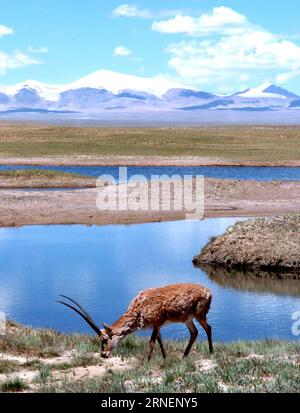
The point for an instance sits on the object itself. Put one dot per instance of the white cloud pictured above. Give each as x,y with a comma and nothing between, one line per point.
122,51
285,77
15,60
232,50
127,10
135,11
250,55
38,50
222,19
5,31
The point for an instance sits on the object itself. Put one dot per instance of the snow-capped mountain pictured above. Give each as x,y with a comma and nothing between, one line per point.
110,91
117,82
267,91
102,79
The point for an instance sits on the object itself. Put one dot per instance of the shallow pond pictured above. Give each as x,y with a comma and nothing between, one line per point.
222,172
105,267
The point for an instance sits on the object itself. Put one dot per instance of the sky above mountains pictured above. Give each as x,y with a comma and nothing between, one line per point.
219,46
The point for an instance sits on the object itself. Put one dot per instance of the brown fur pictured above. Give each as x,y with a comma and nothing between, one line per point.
152,308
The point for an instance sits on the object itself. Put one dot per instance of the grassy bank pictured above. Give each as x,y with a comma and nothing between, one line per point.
46,361
38,178
268,247
233,143
38,173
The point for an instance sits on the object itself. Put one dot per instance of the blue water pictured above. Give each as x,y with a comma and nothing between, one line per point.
104,267
223,172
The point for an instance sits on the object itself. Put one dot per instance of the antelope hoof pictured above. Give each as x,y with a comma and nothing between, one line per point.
104,355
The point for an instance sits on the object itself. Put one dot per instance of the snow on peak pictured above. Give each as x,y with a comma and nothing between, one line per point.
119,83
102,79
262,92
116,82
48,92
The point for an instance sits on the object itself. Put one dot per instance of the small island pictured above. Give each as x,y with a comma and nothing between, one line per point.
43,178
262,245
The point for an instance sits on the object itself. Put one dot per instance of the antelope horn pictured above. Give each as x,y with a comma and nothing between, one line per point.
80,307
83,314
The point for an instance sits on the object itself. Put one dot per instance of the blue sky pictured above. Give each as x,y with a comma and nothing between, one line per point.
219,46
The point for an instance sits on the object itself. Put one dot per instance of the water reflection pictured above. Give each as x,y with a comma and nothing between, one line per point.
259,281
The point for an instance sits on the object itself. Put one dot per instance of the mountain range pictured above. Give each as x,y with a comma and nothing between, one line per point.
104,91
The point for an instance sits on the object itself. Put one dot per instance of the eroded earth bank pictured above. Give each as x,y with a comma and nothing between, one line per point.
263,246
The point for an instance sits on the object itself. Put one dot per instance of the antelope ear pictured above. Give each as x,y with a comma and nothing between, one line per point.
108,329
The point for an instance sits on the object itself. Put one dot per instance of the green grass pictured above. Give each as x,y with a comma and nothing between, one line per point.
44,374
260,366
233,371
38,174
236,143
13,386
43,343
8,366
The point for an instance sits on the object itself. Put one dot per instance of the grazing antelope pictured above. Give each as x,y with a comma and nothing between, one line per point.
152,308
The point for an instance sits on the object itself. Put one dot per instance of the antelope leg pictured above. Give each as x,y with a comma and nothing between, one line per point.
194,333
153,338
159,339
207,328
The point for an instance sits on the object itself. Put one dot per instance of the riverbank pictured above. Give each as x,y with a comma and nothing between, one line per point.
261,246
30,179
119,160
223,198
47,361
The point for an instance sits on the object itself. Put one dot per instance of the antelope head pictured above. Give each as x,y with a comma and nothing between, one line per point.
108,338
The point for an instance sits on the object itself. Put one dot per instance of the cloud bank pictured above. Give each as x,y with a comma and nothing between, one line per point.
221,20
224,46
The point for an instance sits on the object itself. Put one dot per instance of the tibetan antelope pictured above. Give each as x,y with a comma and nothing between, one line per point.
152,308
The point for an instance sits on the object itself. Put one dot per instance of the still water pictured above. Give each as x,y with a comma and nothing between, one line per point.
222,172
105,267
